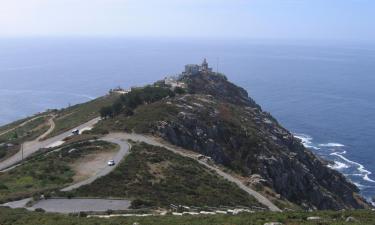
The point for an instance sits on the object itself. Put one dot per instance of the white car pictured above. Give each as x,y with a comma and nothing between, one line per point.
111,163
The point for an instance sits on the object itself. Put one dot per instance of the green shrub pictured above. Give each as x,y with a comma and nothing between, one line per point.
154,176
40,210
128,102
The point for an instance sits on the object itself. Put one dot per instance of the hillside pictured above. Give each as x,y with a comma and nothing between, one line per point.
218,119
153,176
47,171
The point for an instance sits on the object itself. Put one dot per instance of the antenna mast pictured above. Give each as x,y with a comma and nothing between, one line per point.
217,65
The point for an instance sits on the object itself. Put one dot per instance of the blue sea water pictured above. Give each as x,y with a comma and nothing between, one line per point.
322,92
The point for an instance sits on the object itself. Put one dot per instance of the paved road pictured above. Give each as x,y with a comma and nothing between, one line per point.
152,141
73,205
120,139
18,204
115,138
80,205
33,146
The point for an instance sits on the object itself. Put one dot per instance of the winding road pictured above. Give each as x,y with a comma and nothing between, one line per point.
31,147
120,139
153,141
123,151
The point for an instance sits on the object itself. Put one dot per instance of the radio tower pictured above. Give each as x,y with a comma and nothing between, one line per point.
217,65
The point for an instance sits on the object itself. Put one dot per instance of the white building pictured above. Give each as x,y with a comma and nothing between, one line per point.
192,69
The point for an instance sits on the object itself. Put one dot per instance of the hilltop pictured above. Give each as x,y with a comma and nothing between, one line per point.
206,113
195,141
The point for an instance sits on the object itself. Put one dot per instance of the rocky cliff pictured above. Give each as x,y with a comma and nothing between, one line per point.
218,119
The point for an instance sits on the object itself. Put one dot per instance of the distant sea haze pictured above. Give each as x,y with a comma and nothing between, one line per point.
322,92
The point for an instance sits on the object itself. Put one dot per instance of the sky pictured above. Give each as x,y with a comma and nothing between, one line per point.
274,19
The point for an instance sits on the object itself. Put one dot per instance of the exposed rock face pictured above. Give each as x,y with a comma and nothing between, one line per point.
219,120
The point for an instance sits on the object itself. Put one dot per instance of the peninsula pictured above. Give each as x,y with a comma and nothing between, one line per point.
193,144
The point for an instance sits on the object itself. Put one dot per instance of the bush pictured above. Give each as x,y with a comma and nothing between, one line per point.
179,90
139,203
40,210
133,99
106,112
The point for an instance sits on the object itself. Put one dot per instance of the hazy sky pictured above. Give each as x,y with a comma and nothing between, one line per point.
297,19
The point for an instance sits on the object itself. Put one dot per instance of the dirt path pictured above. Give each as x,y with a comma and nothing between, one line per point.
153,141
118,139
121,140
91,164
52,126
22,124
33,146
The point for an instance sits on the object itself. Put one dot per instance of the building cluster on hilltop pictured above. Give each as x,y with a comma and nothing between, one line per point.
118,90
192,69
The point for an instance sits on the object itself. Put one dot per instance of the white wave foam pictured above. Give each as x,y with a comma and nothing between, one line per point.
360,186
365,173
368,179
306,140
338,165
332,145
344,162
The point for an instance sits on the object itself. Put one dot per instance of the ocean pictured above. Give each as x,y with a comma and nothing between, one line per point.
322,92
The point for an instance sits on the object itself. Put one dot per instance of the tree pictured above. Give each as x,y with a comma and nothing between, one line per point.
179,90
117,108
106,112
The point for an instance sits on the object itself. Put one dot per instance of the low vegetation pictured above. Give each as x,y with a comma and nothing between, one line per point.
141,120
154,176
128,102
17,123
27,130
47,171
78,114
359,217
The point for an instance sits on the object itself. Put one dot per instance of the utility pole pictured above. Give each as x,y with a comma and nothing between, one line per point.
217,65
22,151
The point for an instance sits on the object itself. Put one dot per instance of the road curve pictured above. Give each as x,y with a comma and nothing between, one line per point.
52,126
123,151
152,141
121,140
31,147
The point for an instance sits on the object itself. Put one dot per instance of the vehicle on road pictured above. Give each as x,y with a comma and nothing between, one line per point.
75,132
111,163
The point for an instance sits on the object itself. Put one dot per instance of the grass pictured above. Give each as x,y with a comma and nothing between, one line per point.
23,217
16,123
154,176
45,172
78,114
29,131
144,117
